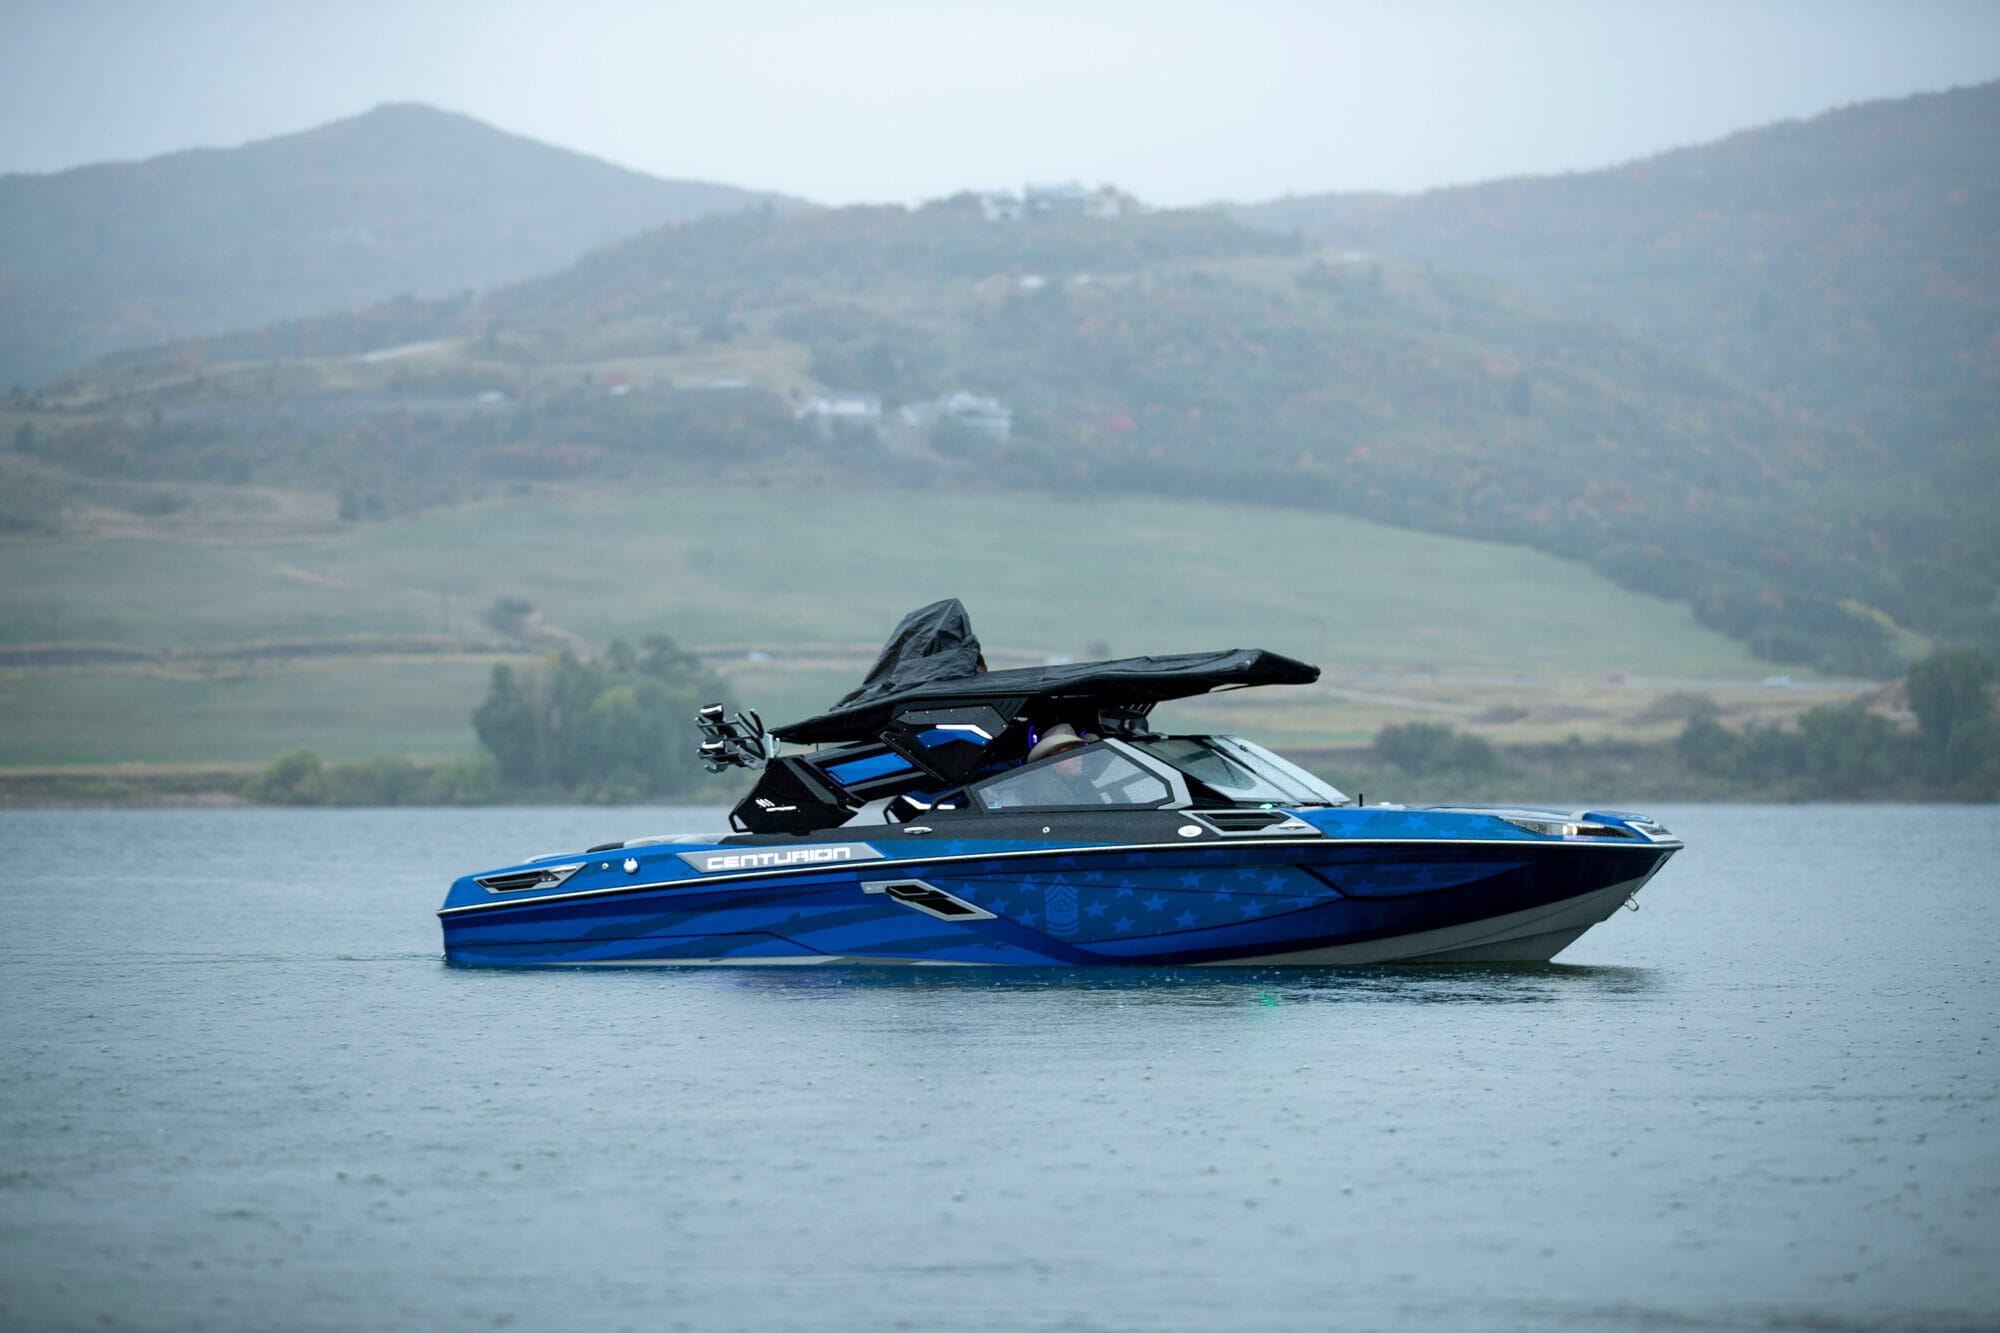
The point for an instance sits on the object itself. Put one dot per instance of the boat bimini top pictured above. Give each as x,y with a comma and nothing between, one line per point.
931,730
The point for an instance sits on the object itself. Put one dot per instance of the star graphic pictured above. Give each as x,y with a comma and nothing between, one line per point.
1300,902
1155,903
1191,880
1063,862
1184,920
1137,859
1124,891
1252,907
1122,924
1274,883
1094,908
1247,872
1094,877
1222,895
1000,909
1028,917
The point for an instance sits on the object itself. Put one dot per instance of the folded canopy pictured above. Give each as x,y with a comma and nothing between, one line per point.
931,643
932,661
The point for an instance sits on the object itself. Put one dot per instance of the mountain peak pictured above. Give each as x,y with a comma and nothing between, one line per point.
402,198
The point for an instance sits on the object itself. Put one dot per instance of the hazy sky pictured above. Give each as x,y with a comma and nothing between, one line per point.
1177,102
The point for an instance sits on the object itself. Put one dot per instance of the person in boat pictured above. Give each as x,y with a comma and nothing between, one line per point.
1065,782
1058,738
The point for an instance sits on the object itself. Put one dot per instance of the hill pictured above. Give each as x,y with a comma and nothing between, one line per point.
1848,265
1173,353
378,637
404,199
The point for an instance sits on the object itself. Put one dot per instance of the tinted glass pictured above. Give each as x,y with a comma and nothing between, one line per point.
1277,769
1093,775
1218,770
1241,771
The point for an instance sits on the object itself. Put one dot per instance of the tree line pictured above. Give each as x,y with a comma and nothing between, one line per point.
618,728
1849,752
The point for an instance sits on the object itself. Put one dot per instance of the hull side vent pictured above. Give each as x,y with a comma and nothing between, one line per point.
540,877
1557,828
928,899
1252,821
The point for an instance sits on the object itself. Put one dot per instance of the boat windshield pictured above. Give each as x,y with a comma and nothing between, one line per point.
1093,775
1242,772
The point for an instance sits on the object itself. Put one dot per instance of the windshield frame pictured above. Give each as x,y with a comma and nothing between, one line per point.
1288,784
1177,797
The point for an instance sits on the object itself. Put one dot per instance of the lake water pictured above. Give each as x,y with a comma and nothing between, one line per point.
243,1092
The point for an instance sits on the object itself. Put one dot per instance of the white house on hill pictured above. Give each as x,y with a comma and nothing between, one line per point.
840,410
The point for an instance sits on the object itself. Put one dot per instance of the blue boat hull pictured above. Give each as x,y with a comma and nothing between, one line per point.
1441,889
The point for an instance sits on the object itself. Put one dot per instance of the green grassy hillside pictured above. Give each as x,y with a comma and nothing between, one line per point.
244,714
1172,354
788,571
815,582
1753,376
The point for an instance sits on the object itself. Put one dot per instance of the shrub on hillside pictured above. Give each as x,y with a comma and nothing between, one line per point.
615,728
383,780
296,777
472,780
1430,749
1834,753
1850,751
1972,760
301,777
1948,690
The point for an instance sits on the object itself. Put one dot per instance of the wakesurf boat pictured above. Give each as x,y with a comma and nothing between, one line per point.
948,814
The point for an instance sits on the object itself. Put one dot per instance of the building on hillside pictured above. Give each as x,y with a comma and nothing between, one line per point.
1001,206
1073,200
985,415
840,412
1066,200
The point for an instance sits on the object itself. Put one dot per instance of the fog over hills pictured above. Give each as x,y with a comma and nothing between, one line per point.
1850,263
404,199
1756,377
1847,266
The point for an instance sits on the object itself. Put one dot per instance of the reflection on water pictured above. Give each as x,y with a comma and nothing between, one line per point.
245,1092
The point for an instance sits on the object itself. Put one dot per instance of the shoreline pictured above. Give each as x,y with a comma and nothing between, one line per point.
1607,774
